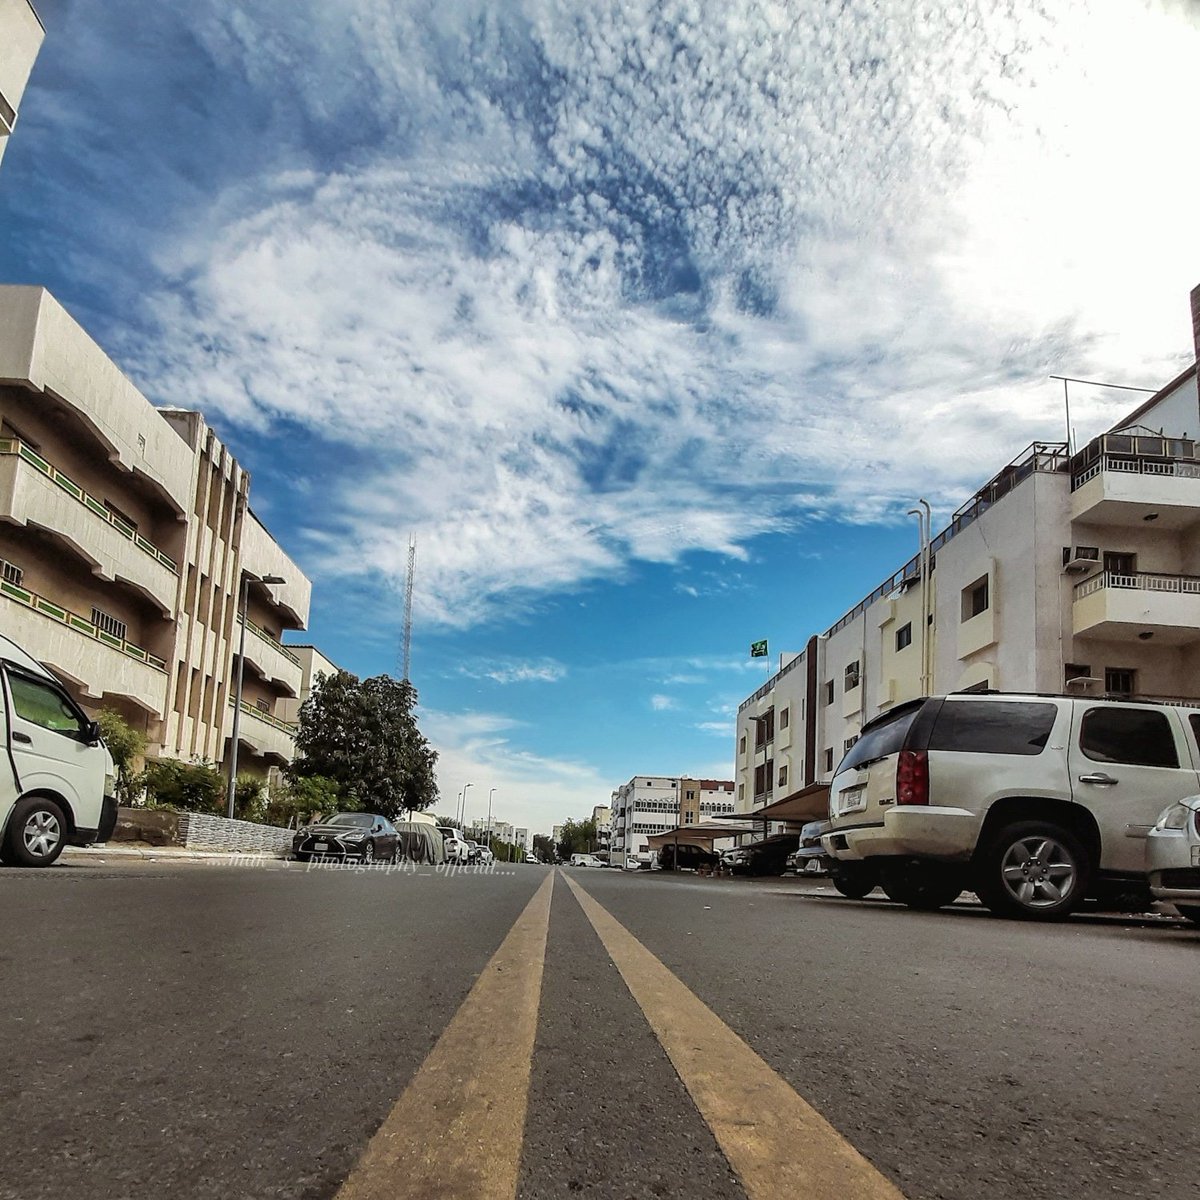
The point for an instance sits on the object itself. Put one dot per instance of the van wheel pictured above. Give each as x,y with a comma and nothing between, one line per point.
921,885
37,833
853,880
1033,870
1189,913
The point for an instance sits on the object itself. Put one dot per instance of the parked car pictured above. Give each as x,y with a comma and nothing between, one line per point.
688,858
767,857
586,860
365,836
1173,857
473,850
1034,802
809,857
485,856
455,845
56,785
634,863
532,858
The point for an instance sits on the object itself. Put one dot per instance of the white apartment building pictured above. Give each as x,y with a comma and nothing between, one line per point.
126,542
647,805
21,36
1072,569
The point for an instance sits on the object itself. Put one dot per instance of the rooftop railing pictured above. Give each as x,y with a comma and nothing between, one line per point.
1187,469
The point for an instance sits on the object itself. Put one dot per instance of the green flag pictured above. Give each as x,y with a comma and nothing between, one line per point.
758,649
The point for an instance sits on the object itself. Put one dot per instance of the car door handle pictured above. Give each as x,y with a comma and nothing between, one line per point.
1098,777
23,738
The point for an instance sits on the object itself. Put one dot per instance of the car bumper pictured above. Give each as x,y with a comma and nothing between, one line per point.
1173,863
916,832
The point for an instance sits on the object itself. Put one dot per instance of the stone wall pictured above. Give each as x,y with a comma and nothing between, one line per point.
202,832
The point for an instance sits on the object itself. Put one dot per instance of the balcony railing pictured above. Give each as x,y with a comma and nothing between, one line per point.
1146,581
81,624
1136,466
274,643
267,718
68,485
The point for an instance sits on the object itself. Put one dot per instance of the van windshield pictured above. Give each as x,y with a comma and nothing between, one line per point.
881,740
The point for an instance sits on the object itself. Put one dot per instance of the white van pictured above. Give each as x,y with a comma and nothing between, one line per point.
56,783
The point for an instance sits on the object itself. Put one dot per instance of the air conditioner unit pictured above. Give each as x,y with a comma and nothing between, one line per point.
1077,559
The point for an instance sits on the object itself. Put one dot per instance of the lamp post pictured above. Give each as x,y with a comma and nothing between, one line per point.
463,818
237,696
924,521
489,824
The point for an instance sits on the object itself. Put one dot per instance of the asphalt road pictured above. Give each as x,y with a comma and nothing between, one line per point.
196,1030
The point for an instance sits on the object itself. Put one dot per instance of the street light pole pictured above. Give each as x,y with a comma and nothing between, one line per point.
489,824
463,818
924,522
244,596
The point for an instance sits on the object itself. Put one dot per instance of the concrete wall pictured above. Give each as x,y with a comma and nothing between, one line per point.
21,36
200,831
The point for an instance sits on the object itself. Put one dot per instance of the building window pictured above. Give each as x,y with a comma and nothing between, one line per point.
829,691
848,743
262,705
783,719
904,636
783,776
975,598
688,817
1116,563
142,443
764,728
1076,671
1119,681
741,792
11,573
829,760
109,624
851,676
742,744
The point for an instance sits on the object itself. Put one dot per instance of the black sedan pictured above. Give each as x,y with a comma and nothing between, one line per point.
367,837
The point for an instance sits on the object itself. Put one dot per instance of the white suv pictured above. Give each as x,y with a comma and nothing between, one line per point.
1034,802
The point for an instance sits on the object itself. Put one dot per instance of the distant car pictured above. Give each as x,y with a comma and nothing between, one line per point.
485,856
809,857
367,837
633,863
586,860
1173,858
473,850
531,858
768,857
685,858
457,850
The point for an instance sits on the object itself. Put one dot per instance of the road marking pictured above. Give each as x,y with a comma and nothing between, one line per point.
776,1143
457,1129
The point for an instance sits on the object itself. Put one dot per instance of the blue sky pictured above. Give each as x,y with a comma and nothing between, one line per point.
648,319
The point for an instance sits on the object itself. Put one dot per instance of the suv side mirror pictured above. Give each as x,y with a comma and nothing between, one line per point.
91,733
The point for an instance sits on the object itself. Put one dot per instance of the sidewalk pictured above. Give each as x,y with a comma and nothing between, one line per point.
145,850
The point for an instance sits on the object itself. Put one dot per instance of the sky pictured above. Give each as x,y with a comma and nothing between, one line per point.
649,320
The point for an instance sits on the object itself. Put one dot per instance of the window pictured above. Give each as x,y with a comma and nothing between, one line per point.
975,598
986,727
764,728
829,691
783,776
142,443
262,705
1076,671
904,636
1119,681
741,791
829,759
783,718
851,676
848,744
44,706
11,573
1140,737
689,817
1120,563
123,518
880,738
107,623
742,744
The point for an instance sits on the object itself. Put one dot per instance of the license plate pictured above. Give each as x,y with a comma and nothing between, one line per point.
853,799
320,845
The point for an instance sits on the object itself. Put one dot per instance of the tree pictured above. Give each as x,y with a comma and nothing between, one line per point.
578,837
191,787
303,797
362,735
126,745
543,847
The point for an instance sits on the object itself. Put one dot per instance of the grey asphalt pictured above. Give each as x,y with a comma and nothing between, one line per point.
196,1030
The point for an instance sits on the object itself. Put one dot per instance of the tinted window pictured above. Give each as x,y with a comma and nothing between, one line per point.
1138,736
357,820
880,740
43,705
993,727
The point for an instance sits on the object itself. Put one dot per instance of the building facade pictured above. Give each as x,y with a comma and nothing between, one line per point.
647,805
1072,569
126,546
21,37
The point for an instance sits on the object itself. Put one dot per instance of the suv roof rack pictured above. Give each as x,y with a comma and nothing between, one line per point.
1168,701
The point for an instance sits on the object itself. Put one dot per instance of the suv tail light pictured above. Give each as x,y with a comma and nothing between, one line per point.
912,777
1196,821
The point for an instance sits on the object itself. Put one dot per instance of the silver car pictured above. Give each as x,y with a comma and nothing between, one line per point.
1173,857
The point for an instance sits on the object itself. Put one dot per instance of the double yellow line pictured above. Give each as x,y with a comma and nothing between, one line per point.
457,1130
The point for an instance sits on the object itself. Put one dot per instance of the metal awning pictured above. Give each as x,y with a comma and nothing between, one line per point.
693,835
810,803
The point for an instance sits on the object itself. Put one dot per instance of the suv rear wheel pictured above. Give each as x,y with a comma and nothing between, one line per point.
1033,869
921,885
853,880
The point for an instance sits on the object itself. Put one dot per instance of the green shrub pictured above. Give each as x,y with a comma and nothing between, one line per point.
304,797
250,799
126,745
189,787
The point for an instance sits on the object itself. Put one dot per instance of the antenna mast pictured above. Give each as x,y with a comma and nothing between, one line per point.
408,594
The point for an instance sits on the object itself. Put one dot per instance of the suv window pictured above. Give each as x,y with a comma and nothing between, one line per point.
880,740
1140,737
993,727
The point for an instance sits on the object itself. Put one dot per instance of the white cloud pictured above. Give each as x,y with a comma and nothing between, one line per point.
543,670
661,703
616,281
722,728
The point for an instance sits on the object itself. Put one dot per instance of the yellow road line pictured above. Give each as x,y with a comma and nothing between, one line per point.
777,1144
457,1129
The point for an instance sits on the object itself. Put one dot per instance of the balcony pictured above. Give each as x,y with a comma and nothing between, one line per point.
1127,607
273,661
99,664
1138,492
265,735
34,493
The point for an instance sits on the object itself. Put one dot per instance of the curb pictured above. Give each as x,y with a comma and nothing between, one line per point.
163,853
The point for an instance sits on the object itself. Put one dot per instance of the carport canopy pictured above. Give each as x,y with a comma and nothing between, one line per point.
693,835
810,803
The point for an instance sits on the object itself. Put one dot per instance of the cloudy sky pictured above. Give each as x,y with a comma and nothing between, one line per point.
649,319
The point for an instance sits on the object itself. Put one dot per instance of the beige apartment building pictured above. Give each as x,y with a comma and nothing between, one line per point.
1072,569
125,539
21,36
651,804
